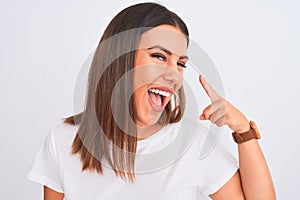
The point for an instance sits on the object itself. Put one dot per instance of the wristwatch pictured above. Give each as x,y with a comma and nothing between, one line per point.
253,133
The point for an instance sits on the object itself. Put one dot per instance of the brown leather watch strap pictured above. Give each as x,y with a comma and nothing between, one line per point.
253,133
243,137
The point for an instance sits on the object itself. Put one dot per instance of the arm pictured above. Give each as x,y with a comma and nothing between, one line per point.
253,180
50,194
255,175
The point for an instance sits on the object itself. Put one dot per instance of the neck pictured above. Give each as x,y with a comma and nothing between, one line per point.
147,131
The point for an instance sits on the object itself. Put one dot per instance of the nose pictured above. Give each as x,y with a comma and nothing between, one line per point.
173,75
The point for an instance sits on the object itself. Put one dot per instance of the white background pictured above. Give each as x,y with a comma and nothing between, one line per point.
255,46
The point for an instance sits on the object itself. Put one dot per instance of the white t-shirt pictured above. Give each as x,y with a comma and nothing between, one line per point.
161,174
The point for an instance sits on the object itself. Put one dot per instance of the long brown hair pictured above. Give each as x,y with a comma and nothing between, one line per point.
112,59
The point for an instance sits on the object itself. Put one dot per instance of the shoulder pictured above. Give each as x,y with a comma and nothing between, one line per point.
207,145
213,164
63,134
204,143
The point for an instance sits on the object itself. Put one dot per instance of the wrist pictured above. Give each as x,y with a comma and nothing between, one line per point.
246,134
244,128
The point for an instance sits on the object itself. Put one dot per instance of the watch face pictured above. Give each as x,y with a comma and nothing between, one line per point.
253,125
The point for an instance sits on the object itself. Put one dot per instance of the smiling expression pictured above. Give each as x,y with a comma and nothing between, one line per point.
158,71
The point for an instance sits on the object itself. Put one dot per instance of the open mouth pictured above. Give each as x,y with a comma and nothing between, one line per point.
158,98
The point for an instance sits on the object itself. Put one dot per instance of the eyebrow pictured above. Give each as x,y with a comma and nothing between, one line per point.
167,51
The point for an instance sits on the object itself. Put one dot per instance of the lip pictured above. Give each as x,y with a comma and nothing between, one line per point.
163,88
165,100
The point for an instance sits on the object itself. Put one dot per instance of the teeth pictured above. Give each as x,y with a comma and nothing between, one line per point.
160,92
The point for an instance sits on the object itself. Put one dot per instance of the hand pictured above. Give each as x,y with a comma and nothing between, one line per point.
221,112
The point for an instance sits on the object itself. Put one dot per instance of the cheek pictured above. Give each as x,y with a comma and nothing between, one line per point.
146,74
140,98
181,75
142,109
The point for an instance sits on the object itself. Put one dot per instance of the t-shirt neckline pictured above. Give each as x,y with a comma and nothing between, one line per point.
160,132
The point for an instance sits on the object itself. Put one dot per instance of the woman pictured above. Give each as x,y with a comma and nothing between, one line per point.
134,105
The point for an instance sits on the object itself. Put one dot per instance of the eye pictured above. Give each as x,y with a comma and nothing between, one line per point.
181,65
159,56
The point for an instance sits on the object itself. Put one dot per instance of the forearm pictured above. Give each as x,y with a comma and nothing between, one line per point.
255,176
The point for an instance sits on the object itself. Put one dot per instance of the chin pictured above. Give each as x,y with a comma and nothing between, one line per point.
148,120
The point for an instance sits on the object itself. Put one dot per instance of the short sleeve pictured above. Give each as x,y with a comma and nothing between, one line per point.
220,166
45,169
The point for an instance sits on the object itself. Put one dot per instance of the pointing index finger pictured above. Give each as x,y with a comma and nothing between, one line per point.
212,94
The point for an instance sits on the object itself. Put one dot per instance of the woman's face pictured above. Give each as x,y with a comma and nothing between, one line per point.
158,71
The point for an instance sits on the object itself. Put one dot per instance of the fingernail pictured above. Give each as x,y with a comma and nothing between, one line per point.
202,117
